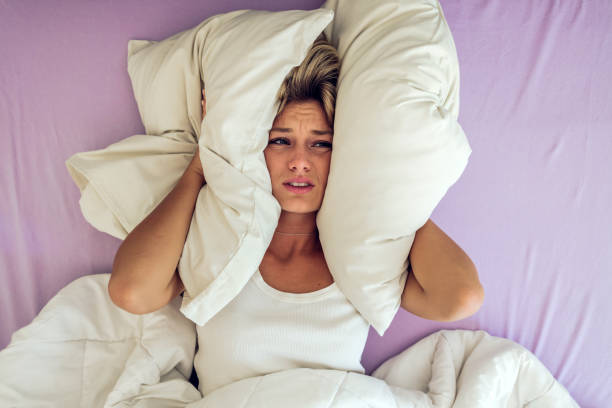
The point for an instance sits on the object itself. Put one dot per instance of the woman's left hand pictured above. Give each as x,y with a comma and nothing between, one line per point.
203,104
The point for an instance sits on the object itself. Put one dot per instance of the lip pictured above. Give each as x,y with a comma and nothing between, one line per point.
298,190
299,180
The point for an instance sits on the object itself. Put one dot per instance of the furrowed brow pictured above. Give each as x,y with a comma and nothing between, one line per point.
288,130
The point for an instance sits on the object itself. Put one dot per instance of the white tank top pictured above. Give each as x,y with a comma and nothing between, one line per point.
264,330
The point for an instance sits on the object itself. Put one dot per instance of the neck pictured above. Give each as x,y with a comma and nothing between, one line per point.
296,234
297,223
288,233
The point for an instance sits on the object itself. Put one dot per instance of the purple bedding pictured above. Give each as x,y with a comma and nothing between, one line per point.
533,208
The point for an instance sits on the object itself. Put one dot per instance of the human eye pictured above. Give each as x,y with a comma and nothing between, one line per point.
273,141
325,144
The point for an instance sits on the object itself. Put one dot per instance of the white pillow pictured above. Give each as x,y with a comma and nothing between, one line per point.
397,144
242,58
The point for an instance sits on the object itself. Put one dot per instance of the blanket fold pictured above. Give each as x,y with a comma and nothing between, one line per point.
83,351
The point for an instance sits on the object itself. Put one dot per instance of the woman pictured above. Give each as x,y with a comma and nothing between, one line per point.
291,313
299,148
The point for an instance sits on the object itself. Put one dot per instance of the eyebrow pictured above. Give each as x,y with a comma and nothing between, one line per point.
288,130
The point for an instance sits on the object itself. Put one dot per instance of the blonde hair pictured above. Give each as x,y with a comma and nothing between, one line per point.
315,78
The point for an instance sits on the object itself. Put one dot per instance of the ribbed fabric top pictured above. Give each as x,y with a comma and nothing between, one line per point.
264,330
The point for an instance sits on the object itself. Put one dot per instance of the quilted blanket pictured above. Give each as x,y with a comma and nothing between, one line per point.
83,351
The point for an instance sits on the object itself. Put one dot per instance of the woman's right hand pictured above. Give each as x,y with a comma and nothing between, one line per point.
196,165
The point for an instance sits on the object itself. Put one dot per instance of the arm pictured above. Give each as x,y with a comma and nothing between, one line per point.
144,276
442,282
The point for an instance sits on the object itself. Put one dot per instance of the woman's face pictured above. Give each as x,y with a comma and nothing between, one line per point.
299,145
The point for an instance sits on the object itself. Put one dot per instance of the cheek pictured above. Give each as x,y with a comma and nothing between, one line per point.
325,165
270,162
266,156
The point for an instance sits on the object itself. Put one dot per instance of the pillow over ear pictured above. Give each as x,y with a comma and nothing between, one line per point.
397,144
242,57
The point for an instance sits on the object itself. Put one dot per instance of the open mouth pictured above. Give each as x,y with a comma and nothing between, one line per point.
298,190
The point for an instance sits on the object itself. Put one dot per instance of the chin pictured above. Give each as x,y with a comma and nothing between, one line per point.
295,207
296,204
299,209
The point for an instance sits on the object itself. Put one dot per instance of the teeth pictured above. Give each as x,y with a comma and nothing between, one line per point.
299,184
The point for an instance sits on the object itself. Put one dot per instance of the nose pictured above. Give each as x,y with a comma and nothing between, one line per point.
300,161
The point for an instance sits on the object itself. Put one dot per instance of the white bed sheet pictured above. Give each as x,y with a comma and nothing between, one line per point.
84,351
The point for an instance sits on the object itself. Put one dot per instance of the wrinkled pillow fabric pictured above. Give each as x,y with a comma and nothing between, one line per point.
398,146
241,58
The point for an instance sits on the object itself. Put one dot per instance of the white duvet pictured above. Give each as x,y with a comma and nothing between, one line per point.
83,351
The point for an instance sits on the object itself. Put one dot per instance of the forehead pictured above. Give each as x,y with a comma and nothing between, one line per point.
303,114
